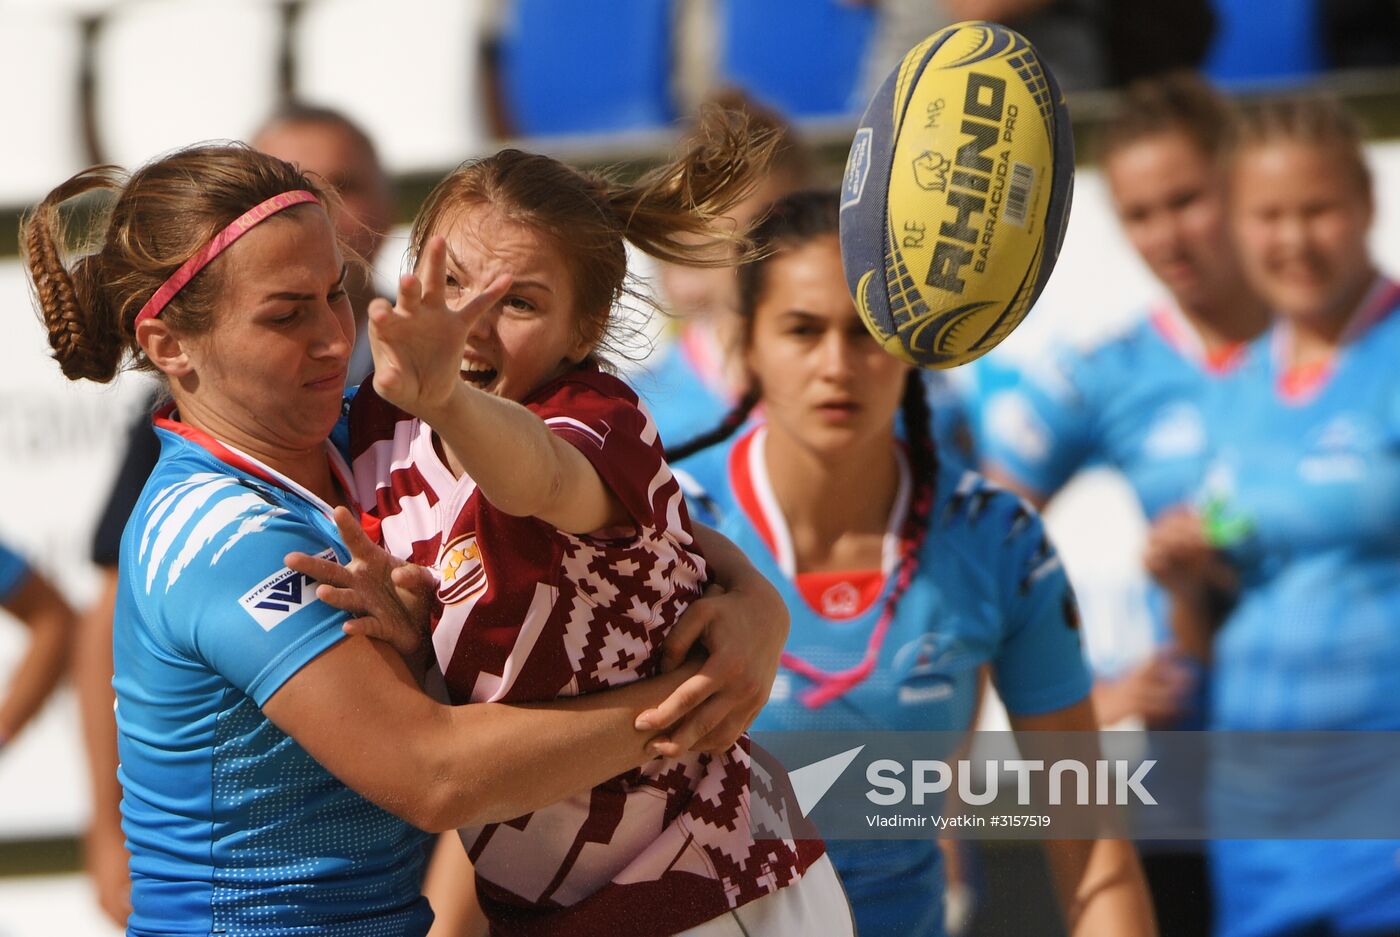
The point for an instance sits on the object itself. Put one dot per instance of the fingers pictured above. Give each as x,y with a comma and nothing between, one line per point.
404,644
355,539
381,309
347,600
683,635
726,732
319,569
495,290
681,702
410,295
713,726
414,578
432,273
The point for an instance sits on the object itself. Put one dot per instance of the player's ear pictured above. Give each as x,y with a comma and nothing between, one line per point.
164,348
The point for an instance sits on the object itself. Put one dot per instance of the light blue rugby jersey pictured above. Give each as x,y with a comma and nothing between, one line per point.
233,828
13,571
1307,490
1132,402
990,590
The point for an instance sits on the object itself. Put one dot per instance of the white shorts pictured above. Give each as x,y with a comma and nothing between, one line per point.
814,907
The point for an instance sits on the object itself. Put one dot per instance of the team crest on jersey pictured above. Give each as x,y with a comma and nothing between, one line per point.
461,574
281,595
841,600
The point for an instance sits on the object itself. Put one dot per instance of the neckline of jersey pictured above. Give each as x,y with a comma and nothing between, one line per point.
167,419
1183,338
1301,384
753,489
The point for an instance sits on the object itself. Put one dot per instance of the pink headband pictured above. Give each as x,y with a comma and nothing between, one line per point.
235,230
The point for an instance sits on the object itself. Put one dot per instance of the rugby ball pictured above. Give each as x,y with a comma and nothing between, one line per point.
956,195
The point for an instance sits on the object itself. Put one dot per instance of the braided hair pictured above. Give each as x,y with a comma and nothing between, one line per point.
791,222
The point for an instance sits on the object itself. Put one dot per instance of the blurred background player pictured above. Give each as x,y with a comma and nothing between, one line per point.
904,572
333,148
32,601
1303,500
1133,401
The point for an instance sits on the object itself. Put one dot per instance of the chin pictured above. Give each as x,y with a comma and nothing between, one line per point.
836,440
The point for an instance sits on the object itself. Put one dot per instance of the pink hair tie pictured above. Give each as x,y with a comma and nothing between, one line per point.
236,229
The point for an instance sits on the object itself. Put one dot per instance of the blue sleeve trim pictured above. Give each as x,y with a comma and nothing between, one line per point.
1048,699
317,640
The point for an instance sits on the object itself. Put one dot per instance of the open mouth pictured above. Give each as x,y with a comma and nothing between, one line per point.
478,375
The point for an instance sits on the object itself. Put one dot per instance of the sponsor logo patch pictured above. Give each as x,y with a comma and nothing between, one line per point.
857,167
281,595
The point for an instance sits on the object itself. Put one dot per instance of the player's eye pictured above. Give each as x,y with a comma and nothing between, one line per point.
286,318
520,304
1184,200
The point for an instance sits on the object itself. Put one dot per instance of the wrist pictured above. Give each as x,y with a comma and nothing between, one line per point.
441,409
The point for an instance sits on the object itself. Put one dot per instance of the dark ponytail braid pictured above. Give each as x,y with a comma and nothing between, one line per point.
923,474
727,427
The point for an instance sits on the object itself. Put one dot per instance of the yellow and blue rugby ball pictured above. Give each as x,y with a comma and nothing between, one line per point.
956,195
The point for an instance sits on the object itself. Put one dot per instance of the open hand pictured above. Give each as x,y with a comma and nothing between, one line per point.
392,600
418,342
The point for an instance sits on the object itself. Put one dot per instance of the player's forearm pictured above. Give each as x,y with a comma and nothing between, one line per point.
1191,622
519,758
1101,888
50,624
507,450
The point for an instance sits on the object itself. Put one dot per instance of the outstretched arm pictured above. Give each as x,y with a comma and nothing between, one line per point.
518,464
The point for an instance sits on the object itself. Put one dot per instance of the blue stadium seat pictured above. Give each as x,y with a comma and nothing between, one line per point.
587,67
1265,41
803,57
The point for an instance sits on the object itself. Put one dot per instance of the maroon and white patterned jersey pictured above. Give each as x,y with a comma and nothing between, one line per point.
531,613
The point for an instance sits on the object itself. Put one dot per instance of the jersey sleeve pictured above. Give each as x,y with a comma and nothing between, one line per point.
13,571
1039,430
211,579
619,440
1040,666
